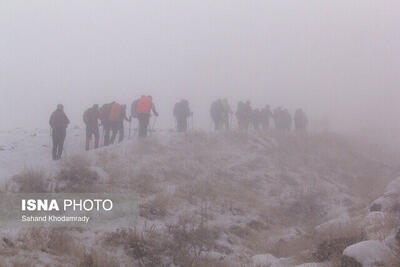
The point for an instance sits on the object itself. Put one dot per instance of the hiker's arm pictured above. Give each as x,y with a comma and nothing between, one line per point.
66,120
51,120
153,108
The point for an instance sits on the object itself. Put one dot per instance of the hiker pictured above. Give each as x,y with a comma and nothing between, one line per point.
114,118
287,120
91,119
217,114
58,123
133,108
226,114
105,111
300,120
120,129
182,113
256,119
143,112
278,118
243,115
133,115
266,114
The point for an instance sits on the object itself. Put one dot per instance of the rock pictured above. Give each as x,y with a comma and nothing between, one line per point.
393,187
375,207
257,225
366,254
8,242
349,262
390,201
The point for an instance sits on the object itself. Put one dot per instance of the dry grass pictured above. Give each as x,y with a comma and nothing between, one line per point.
75,176
55,241
157,208
304,208
144,183
255,190
394,262
195,192
326,246
330,244
99,257
190,242
31,181
381,228
186,243
145,246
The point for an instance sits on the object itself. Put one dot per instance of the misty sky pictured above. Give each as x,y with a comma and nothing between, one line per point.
339,59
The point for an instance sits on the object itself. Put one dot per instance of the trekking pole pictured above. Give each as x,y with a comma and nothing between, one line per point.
130,126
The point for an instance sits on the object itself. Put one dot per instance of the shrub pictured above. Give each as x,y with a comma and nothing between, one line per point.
156,208
190,242
76,176
99,258
31,181
335,240
143,246
144,183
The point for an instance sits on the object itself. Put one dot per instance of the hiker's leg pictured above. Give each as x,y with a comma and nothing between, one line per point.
146,123
96,137
55,144
121,132
61,142
114,133
106,133
88,137
141,125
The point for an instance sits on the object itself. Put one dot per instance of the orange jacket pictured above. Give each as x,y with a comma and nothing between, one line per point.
115,113
144,105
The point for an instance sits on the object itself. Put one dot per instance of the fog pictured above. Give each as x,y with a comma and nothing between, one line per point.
337,59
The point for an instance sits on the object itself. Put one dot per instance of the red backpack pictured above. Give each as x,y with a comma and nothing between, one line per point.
144,105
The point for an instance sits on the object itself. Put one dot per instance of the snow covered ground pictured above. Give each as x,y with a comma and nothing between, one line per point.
23,149
214,199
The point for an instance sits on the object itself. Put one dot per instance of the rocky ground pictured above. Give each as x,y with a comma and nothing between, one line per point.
226,199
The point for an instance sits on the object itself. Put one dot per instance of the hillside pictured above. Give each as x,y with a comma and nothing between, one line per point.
209,199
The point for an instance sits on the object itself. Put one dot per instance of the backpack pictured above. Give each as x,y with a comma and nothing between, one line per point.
144,105
115,113
86,116
104,112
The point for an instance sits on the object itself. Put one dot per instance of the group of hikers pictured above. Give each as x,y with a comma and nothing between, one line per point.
256,118
111,118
